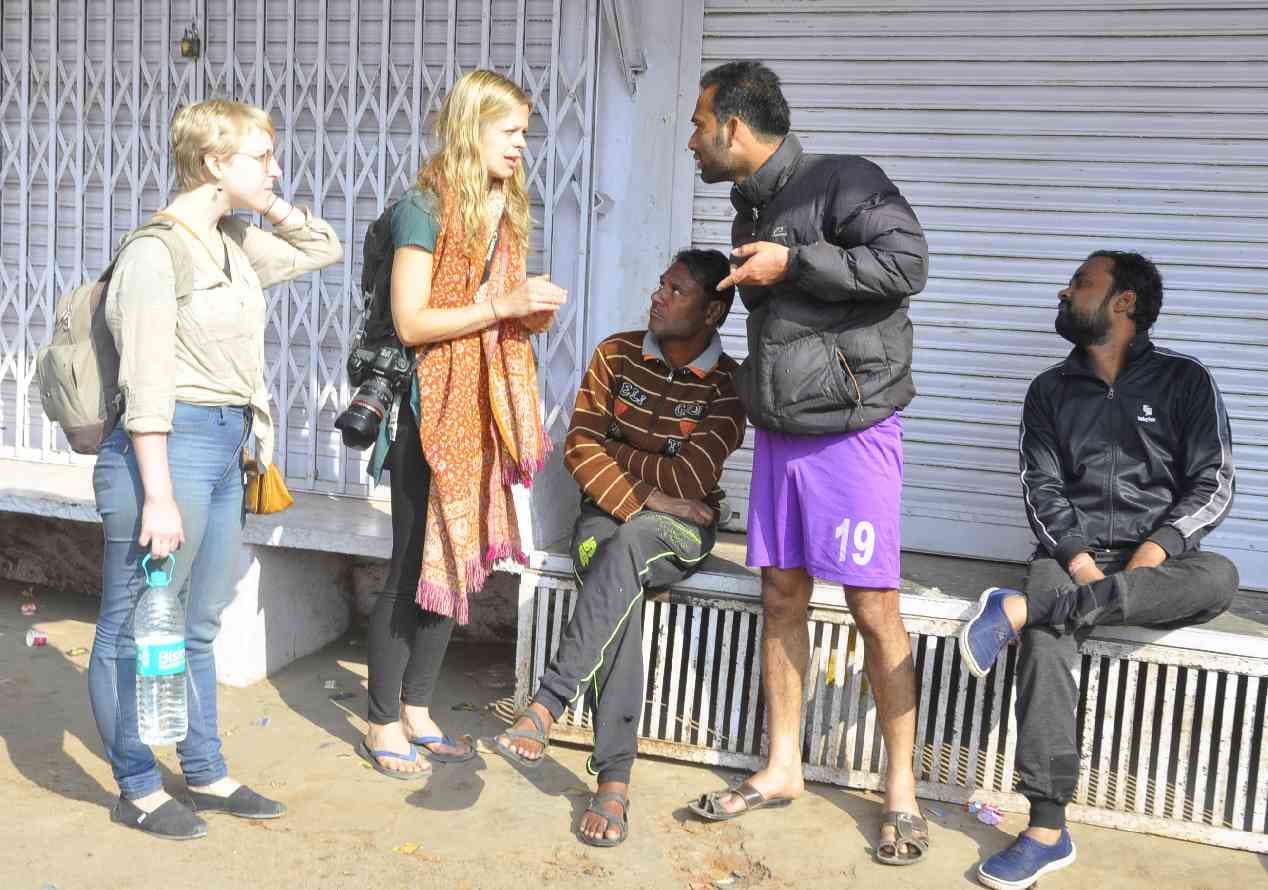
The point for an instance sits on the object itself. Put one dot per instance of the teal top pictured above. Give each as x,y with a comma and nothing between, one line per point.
416,220
415,223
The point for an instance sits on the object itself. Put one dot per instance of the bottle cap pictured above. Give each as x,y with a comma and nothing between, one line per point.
159,577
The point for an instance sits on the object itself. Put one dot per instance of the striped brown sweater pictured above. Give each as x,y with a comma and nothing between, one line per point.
641,425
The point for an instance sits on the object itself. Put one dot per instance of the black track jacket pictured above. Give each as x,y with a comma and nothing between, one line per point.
1108,467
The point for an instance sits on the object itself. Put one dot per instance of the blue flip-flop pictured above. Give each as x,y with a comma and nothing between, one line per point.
372,758
422,742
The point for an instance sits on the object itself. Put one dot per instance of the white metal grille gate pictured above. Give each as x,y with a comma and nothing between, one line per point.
87,91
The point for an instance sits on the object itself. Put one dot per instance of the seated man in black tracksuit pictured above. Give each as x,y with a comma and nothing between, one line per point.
1126,464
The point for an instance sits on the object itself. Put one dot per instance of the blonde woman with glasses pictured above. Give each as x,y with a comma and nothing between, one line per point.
468,426
169,477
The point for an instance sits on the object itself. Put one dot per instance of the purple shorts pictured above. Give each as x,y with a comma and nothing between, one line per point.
829,504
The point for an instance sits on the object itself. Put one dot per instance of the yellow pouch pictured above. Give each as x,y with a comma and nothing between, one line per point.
266,492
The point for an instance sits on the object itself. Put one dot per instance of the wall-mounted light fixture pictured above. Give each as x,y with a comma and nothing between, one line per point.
191,44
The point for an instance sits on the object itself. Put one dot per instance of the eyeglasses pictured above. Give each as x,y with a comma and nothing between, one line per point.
265,160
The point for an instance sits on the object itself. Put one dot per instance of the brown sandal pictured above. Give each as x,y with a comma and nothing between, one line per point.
910,832
709,806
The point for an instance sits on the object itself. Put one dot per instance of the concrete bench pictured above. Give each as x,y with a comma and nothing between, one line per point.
293,578
1173,723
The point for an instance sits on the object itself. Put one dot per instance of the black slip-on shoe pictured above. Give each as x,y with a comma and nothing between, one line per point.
172,821
243,803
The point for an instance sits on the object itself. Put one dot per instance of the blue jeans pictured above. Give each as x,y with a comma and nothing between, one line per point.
204,455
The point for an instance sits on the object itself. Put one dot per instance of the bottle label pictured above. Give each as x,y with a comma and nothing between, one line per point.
160,659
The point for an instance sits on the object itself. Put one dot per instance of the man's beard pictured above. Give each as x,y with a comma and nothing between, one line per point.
713,167
1082,330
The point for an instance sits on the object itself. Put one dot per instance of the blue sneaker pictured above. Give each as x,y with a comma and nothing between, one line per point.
1025,861
989,631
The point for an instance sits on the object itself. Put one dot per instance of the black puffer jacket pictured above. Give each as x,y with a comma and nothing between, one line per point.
1108,467
830,345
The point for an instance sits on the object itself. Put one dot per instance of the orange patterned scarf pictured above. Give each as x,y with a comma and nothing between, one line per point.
480,423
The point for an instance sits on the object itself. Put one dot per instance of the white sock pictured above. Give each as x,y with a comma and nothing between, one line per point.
152,801
221,787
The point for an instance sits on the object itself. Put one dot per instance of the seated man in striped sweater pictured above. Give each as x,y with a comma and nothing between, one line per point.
656,417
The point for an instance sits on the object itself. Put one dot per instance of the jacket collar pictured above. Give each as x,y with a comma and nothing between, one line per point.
758,189
701,366
1077,361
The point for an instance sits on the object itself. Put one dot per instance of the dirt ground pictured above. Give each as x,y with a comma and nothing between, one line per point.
477,825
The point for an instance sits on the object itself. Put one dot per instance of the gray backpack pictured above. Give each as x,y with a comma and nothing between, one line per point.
78,369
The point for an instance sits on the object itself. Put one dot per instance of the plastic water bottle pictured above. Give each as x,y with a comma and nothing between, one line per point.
158,626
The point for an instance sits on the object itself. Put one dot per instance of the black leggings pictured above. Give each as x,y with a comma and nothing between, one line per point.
406,645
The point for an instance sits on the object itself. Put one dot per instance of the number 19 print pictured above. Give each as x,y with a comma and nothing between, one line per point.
864,541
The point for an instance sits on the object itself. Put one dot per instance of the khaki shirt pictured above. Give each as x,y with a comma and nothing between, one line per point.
207,349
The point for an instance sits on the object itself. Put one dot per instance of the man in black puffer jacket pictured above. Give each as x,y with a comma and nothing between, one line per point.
831,254
1126,464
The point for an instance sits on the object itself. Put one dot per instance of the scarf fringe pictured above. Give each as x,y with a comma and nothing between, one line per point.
451,603
523,472
434,598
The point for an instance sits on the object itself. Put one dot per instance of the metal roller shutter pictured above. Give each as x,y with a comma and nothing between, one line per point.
1027,135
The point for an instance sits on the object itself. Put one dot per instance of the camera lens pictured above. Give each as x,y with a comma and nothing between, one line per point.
359,424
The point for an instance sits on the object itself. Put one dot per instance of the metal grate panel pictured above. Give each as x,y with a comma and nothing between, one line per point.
1171,742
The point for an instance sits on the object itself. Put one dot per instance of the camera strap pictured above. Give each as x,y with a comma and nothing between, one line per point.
393,416
488,257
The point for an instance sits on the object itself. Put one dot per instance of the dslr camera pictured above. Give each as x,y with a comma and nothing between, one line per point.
378,373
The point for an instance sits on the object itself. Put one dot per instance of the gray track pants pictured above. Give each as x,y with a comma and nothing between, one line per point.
1187,589
601,653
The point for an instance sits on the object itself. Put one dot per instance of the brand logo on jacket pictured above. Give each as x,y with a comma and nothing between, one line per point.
1146,414
632,394
779,233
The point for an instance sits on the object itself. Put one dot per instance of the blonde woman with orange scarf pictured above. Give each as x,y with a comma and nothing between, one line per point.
470,426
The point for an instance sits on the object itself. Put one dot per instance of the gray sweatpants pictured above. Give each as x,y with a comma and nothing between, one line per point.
1187,589
601,653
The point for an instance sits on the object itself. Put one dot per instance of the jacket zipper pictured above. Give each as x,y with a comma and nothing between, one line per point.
857,389
1113,474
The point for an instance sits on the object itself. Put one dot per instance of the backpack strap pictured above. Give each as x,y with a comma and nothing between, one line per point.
182,261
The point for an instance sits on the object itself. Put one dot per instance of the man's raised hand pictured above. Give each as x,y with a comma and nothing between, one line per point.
764,263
